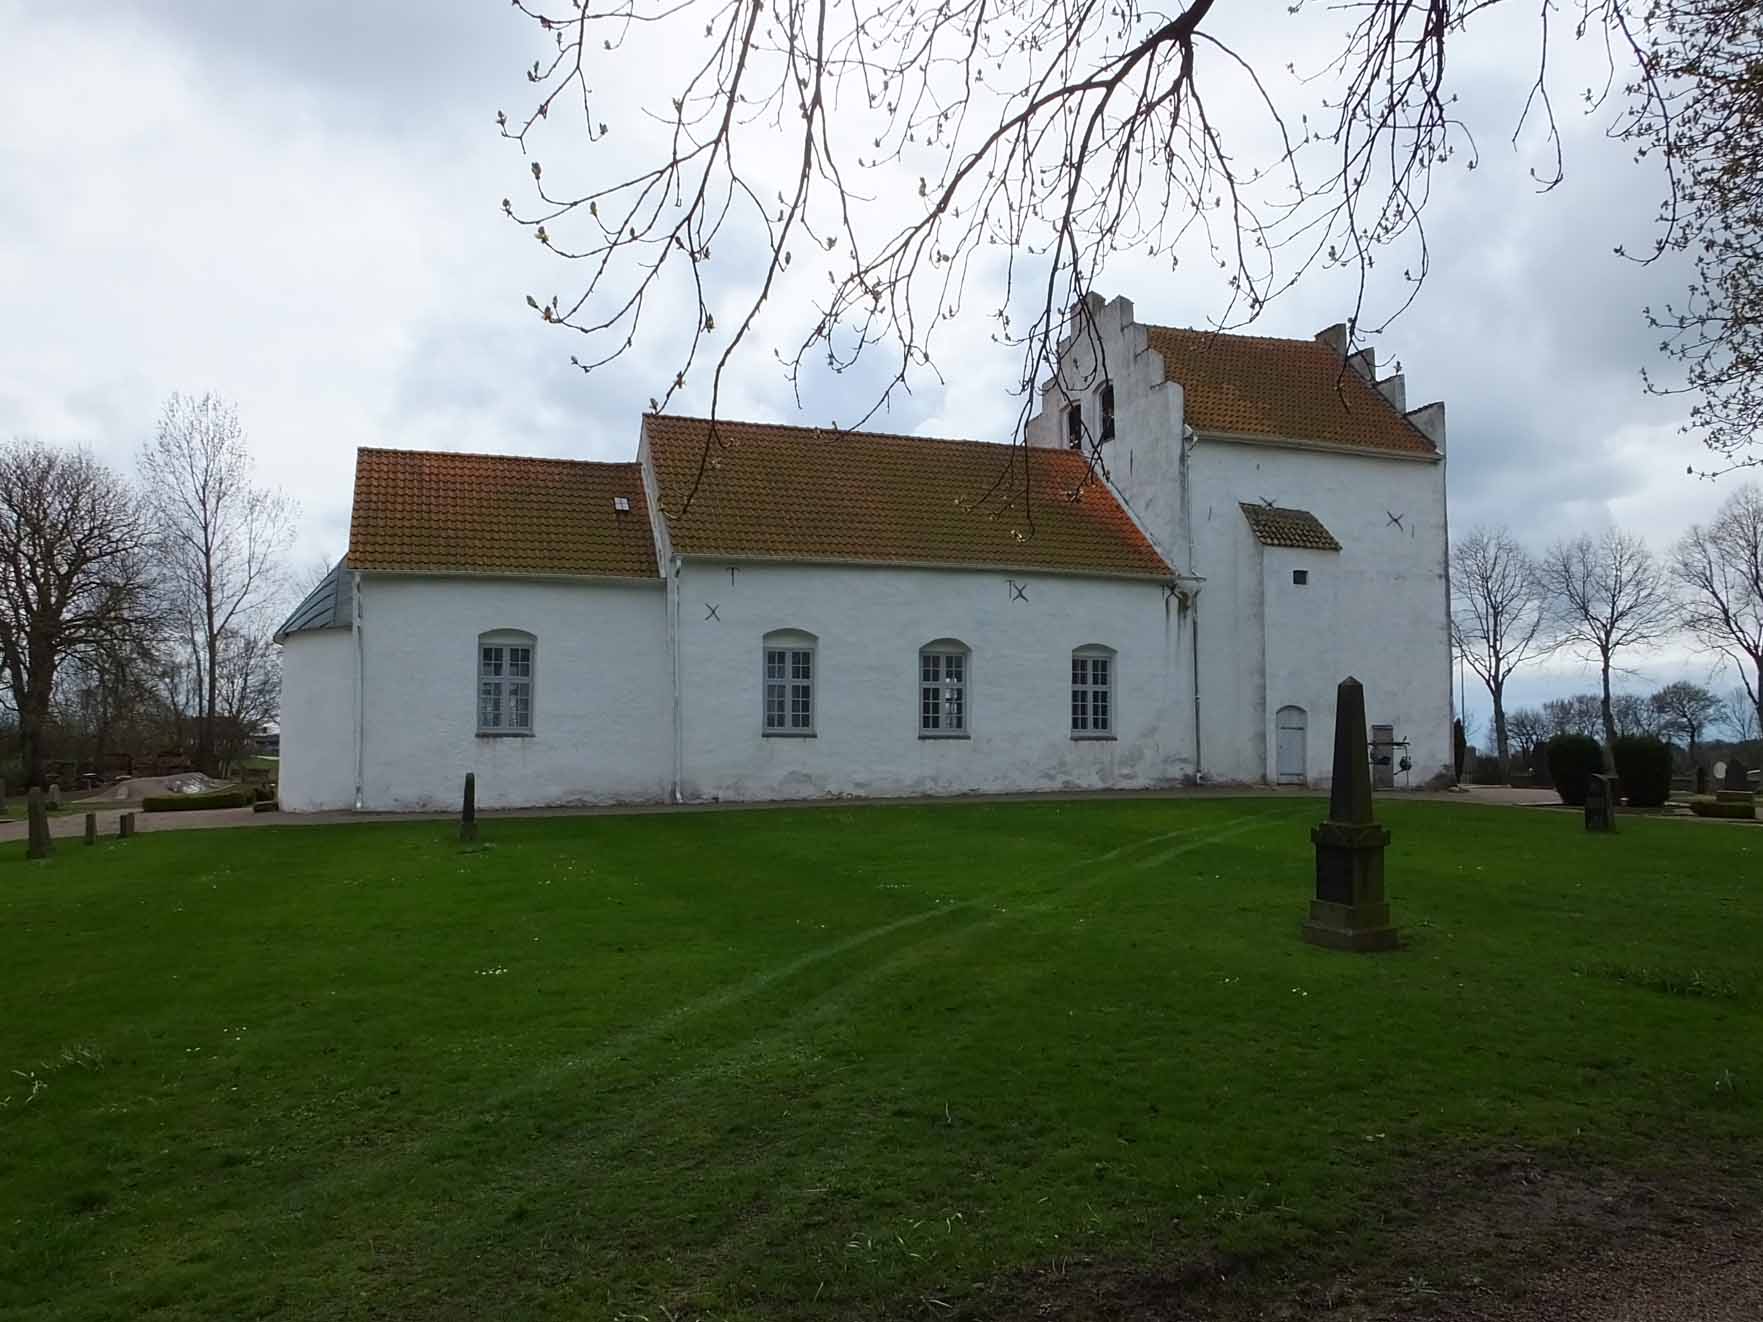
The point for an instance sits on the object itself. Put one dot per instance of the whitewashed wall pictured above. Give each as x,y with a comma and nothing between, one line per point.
1377,609
602,693
318,721
870,624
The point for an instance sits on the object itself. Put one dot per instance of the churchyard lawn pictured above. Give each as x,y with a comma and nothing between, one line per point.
830,1063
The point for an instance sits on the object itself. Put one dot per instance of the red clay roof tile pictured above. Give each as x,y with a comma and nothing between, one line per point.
1298,390
424,510
802,493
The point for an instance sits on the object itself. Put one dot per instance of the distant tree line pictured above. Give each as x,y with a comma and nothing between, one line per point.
1604,599
136,613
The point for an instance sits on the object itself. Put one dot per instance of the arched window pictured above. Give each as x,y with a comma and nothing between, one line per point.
505,677
1092,692
944,673
788,683
1107,401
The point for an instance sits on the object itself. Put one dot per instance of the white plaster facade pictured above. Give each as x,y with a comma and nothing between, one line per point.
651,689
1377,609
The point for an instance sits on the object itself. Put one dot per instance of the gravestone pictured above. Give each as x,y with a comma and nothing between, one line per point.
40,845
125,825
91,828
1701,779
1738,775
1383,757
468,811
2,796
55,796
1349,911
1600,803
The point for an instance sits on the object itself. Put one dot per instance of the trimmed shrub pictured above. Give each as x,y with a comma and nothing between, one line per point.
1573,760
1485,770
235,798
1643,765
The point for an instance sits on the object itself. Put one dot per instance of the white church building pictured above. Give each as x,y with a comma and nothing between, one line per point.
1202,536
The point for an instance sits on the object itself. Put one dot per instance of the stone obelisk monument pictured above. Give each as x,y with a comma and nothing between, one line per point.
1349,911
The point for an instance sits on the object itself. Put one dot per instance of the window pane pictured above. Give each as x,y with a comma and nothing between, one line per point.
953,666
929,668
774,704
1098,670
1080,670
801,665
774,665
1080,709
1099,709
489,705
520,706
492,662
520,661
952,708
930,708
801,707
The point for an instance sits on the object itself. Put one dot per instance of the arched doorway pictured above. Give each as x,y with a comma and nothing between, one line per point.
1292,727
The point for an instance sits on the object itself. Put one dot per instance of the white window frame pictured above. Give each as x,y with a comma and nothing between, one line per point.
789,683
1084,691
501,674
936,693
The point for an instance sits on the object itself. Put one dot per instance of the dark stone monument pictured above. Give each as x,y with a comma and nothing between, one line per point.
1600,803
468,811
1349,911
40,844
91,828
1701,779
1738,775
125,825
2,796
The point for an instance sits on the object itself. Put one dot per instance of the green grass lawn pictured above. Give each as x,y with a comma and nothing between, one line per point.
820,1063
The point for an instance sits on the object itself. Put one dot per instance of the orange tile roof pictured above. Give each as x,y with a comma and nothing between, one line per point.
421,510
802,493
1299,390
1274,526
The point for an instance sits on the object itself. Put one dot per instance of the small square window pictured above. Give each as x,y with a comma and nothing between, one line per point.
1301,577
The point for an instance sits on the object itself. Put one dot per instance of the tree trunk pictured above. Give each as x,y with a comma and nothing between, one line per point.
1609,718
1501,746
33,723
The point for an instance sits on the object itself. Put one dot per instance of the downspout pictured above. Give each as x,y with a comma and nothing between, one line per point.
1188,438
360,687
679,745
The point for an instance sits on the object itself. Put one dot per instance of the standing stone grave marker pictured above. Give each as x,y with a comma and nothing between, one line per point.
1600,804
55,796
1738,775
125,825
40,844
468,811
1349,911
91,828
2,796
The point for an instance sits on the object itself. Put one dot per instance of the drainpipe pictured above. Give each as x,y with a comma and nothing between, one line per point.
360,687
1188,439
679,745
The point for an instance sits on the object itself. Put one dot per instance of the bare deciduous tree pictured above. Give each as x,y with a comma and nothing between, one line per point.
220,539
883,152
1687,709
1583,713
1499,616
1720,570
1739,715
72,576
1610,596
1527,727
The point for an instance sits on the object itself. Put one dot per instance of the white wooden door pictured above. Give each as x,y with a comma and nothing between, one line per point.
1293,732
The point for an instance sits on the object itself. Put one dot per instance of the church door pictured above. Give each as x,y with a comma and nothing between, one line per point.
1293,734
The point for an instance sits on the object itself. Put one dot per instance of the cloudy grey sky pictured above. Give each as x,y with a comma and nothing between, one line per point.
297,206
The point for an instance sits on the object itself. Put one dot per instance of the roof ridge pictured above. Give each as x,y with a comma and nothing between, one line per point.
845,431
1239,335
488,454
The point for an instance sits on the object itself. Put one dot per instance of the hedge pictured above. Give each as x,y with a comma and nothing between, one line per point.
234,798
1573,760
1643,766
